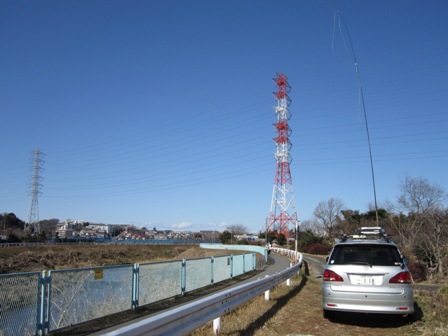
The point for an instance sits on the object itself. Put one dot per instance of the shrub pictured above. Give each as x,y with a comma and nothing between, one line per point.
418,271
317,248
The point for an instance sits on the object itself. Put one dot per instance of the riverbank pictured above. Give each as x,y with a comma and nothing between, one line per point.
21,259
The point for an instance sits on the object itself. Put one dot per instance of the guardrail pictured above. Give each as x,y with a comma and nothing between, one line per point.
287,253
185,319
39,302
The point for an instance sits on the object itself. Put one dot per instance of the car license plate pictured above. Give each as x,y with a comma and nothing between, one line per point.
364,280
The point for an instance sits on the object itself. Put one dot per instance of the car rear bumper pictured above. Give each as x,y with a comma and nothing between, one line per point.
402,303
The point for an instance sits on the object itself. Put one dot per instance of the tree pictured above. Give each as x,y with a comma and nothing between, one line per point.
13,238
225,237
419,196
351,221
434,239
281,239
313,226
48,225
237,229
308,238
328,214
10,220
418,199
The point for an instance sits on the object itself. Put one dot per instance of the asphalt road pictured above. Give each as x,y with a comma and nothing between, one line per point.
315,265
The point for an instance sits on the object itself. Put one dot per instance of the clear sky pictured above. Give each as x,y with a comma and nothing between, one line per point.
160,113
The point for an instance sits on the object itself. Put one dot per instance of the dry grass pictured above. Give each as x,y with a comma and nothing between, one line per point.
53,257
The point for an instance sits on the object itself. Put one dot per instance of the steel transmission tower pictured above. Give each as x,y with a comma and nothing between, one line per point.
283,210
36,185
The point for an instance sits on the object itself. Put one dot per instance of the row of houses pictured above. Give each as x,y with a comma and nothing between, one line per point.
75,229
79,229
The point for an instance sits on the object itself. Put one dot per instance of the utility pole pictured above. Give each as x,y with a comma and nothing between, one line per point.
35,191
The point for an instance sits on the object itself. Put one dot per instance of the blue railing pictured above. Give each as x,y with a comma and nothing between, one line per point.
40,302
251,248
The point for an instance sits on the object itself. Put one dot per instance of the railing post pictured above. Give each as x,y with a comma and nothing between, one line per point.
212,262
267,294
183,275
244,263
135,285
41,307
46,294
216,325
231,266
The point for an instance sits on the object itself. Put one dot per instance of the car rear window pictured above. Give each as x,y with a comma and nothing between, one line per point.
377,255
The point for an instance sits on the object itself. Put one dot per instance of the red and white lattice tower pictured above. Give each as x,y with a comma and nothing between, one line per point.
283,210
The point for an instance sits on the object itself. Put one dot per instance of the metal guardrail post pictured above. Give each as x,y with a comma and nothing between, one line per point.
41,307
212,264
183,275
244,263
46,294
135,285
217,322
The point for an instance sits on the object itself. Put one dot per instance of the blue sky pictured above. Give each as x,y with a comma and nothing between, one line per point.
159,113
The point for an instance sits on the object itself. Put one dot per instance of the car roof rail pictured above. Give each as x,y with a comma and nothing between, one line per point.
368,232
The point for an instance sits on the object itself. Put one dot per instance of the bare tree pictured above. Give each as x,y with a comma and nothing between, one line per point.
328,214
237,229
419,196
418,199
312,225
434,240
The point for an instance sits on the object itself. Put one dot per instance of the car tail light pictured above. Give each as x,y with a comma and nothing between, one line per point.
332,276
402,277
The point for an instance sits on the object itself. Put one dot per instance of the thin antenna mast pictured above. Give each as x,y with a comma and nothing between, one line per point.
361,92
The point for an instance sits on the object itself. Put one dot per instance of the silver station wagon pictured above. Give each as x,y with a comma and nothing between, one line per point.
366,273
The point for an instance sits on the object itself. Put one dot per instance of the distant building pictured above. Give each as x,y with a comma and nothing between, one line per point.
210,235
64,233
